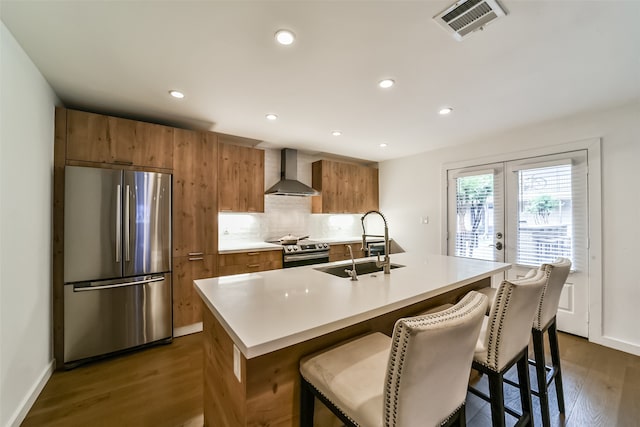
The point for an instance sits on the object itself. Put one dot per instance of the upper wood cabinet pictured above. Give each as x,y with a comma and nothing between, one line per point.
240,178
105,139
345,187
195,213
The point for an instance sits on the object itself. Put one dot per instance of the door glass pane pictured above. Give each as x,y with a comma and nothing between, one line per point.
475,216
544,214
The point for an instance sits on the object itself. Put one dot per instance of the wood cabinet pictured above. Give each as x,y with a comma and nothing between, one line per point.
339,251
240,178
195,218
187,305
248,262
195,213
345,187
105,139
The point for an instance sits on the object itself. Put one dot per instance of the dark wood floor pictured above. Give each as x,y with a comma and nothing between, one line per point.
162,386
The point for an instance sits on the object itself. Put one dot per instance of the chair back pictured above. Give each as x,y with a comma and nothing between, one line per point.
429,364
556,273
510,319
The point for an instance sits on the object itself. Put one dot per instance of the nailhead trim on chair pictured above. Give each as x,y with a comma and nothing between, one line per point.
496,331
399,348
446,420
547,272
331,402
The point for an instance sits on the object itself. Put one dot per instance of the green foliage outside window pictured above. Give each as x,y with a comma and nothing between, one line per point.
541,207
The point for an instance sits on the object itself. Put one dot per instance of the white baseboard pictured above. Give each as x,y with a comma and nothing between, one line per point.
27,402
186,330
617,344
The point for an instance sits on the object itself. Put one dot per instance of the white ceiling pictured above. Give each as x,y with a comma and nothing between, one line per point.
546,59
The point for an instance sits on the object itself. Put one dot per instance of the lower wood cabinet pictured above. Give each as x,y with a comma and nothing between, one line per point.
339,252
248,262
187,304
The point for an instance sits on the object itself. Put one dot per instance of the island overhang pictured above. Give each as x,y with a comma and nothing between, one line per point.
271,310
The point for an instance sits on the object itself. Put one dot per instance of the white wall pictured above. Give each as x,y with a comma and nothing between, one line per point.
411,188
26,178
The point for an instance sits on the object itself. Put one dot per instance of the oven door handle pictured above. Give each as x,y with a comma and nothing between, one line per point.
303,257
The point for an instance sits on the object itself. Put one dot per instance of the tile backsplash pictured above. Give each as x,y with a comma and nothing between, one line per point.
285,215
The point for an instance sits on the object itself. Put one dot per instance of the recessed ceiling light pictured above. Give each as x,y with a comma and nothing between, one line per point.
383,145
446,110
336,133
285,37
176,94
386,83
271,117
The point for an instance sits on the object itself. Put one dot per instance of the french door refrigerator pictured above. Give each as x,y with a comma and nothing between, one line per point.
117,261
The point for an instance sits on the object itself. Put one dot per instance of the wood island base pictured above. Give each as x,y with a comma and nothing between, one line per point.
268,394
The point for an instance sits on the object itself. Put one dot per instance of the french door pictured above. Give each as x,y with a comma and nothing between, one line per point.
526,212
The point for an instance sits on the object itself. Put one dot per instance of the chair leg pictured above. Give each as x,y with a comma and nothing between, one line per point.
541,374
462,417
496,393
525,387
555,360
307,401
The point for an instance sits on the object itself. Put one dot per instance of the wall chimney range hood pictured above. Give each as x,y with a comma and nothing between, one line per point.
289,184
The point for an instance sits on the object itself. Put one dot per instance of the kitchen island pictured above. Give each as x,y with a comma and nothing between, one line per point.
257,326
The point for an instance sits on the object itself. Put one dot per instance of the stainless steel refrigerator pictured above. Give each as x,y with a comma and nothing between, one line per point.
117,261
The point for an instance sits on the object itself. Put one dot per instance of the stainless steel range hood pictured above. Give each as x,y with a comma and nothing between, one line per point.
289,184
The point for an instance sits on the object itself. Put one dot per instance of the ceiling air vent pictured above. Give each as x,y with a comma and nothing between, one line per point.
467,16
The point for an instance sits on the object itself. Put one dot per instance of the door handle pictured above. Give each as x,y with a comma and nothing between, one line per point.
84,288
498,246
118,221
127,225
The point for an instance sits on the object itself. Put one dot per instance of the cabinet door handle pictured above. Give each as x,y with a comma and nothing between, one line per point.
196,258
123,162
253,265
252,253
195,253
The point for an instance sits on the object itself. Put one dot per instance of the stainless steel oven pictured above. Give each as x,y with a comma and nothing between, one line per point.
375,248
307,253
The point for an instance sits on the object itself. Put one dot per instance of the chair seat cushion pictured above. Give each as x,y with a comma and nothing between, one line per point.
352,376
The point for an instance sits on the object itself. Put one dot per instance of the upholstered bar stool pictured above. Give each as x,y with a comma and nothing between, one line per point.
556,274
418,377
504,341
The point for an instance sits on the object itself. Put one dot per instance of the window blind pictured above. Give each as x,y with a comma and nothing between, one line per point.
551,212
475,193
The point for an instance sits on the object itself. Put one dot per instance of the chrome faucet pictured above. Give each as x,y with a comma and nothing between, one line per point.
387,261
352,273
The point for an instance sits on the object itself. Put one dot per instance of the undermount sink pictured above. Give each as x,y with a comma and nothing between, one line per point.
361,268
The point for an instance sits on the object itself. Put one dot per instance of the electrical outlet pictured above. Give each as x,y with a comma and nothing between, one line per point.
236,363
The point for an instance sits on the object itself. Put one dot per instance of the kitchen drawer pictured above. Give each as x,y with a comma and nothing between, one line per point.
339,252
247,262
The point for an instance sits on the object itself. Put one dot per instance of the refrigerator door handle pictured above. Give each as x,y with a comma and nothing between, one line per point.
127,228
85,287
118,222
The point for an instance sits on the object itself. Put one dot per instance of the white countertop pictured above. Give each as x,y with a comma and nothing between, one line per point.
267,311
243,246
